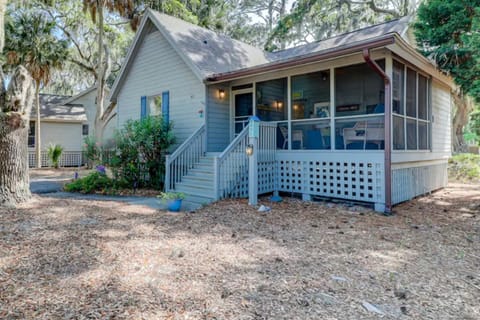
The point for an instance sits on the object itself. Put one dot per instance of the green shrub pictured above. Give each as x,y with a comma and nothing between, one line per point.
94,182
140,152
464,167
92,150
54,153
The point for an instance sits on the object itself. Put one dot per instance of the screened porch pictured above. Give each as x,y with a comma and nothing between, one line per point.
305,116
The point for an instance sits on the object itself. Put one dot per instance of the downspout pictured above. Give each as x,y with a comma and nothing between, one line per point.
388,116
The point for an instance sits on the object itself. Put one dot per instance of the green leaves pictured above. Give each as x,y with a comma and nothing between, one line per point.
31,42
448,33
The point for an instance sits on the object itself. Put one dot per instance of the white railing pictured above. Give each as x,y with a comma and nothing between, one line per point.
231,169
186,157
68,159
267,160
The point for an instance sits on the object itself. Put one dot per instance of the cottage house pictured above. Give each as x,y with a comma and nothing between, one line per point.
361,116
66,121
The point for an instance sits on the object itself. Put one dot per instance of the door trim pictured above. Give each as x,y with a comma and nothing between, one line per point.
232,108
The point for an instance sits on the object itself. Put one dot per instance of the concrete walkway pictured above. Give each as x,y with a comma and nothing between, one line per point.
52,187
46,185
144,201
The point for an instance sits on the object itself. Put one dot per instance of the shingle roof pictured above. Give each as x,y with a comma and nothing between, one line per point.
211,54
399,26
209,51
52,108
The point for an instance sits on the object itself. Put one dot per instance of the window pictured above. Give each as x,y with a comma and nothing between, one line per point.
359,107
411,129
272,100
31,134
311,111
85,129
154,105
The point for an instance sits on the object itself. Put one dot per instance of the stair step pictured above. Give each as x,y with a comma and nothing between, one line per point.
198,179
194,190
200,200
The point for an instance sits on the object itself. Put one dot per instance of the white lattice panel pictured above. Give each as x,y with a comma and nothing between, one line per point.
408,183
266,176
354,176
69,159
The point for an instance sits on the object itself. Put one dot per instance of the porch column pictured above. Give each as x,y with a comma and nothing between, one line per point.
252,152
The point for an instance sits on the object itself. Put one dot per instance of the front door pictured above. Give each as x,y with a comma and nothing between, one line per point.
243,110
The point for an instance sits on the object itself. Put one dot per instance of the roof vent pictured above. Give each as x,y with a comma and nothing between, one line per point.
205,41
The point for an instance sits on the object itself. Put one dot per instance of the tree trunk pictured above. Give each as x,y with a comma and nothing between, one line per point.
38,137
463,107
101,75
15,108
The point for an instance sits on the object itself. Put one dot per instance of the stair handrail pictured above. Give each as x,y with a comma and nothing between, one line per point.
234,143
219,160
193,147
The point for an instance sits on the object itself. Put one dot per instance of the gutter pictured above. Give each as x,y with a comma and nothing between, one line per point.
383,41
387,126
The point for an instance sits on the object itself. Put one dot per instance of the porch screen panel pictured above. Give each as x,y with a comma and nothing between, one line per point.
411,93
359,90
271,101
360,106
311,111
311,95
422,98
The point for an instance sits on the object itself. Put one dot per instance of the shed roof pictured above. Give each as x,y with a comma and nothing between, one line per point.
52,107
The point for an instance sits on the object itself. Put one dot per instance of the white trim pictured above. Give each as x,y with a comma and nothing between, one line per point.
83,93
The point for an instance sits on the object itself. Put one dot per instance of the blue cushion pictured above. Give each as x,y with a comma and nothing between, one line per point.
380,108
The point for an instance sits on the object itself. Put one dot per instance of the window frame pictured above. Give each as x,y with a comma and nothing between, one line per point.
417,120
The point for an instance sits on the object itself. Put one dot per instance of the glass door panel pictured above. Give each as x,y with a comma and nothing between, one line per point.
243,110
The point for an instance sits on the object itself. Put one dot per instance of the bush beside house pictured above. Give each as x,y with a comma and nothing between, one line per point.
138,160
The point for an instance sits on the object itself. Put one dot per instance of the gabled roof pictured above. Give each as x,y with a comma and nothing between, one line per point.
204,51
215,57
53,107
83,93
209,51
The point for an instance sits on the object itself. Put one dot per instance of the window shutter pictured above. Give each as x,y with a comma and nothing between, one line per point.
143,107
166,106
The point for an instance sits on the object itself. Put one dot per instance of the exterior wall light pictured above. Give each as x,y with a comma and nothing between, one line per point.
249,150
221,93
278,104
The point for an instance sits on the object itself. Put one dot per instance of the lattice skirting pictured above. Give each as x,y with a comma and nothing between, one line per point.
267,171
353,177
408,183
69,159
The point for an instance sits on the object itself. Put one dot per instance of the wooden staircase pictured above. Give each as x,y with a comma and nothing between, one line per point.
198,184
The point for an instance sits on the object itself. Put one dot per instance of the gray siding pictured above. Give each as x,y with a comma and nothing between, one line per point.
157,67
218,118
88,101
410,182
441,127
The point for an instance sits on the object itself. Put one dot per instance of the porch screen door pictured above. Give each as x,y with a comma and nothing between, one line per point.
243,110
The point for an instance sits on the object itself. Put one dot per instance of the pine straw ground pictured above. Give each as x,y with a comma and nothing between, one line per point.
72,259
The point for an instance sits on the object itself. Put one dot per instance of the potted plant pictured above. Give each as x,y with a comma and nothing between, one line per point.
173,200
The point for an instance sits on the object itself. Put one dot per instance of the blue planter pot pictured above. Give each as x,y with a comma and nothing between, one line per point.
174,205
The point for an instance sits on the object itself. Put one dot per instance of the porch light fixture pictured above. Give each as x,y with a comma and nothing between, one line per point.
278,104
221,93
249,150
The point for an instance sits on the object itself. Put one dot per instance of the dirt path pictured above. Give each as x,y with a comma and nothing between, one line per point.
77,259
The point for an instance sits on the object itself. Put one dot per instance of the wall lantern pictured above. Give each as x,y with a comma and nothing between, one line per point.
221,93
278,104
249,150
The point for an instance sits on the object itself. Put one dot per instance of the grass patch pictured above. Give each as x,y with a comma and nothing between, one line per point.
464,167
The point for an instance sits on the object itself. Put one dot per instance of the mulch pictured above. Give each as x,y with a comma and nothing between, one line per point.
78,259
